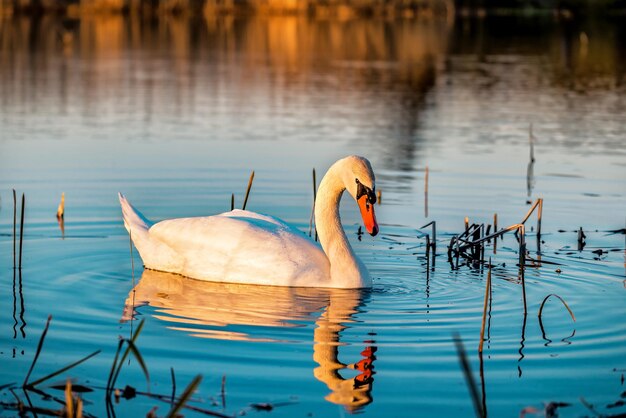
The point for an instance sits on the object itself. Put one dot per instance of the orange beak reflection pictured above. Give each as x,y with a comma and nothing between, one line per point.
367,213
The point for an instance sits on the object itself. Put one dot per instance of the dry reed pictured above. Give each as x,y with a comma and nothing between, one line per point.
14,229
184,397
61,208
245,201
426,174
431,243
313,207
522,261
22,228
73,405
561,299
487,293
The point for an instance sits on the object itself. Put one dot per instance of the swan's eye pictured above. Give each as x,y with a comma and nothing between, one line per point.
362,190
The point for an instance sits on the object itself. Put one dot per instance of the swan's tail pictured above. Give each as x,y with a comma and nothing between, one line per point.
137,226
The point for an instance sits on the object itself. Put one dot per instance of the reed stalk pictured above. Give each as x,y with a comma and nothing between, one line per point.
132,261
458,252
73,405
469,378
466,223
581,239
522,249
245,202
522,246
313,207
487,237
487,293
432,242
482,384
173,386
22,228
426,174
223,391
531,210
450,251
482,245
232,201
539,213
69,400
495,228
61,208
14,229
531,140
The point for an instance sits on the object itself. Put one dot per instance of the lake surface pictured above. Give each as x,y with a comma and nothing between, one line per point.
175,113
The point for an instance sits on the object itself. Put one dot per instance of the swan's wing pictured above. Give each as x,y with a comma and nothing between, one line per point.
246,214
242,247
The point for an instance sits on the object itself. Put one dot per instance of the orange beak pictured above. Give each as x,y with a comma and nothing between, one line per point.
367,213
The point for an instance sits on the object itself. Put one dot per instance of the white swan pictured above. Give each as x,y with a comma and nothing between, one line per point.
246,247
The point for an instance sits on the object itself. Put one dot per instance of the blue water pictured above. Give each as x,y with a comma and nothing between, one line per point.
176,116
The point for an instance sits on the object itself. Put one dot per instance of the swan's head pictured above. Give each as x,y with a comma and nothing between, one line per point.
358,177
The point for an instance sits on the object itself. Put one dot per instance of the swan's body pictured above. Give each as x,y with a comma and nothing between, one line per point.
246,247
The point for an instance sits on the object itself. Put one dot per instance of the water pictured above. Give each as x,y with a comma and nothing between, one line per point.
175,113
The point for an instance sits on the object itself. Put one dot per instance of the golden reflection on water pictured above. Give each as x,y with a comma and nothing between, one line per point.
115,70
206,310
297,43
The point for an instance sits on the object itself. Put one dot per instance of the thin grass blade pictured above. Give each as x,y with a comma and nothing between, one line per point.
173,385
469,378
130,342
561,299
185,396
64,369
114,365
139,358
39,347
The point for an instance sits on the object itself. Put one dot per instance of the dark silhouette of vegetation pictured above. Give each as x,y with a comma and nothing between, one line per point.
329,8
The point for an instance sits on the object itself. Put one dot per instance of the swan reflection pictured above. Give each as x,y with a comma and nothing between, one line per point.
206,309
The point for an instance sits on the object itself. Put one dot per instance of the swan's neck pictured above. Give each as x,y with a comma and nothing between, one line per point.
346,270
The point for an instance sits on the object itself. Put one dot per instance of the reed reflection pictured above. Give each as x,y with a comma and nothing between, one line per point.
207,309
